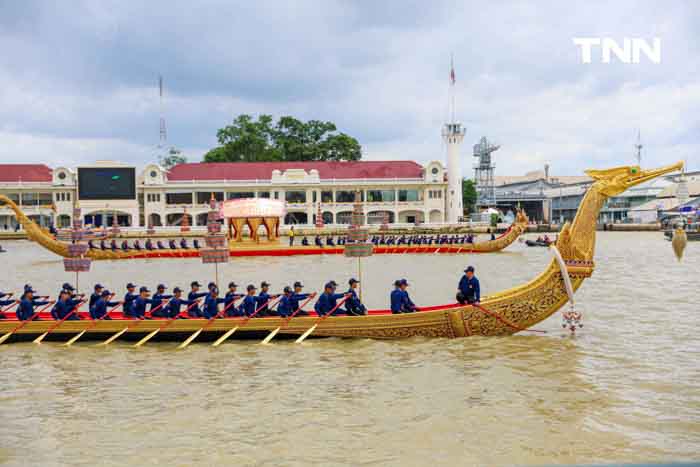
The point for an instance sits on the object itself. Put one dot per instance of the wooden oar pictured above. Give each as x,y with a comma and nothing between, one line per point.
286,322
168,323
194,335
131,326
72,340
228,334
68,315
312,328
23,323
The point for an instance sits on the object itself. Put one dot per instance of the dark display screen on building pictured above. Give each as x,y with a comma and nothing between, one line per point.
106,183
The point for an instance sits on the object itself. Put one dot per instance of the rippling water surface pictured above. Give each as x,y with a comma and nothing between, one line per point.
626,389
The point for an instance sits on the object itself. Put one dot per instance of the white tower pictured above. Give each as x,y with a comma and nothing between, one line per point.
452,135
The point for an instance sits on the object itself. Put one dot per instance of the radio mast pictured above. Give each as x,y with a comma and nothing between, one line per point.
162,143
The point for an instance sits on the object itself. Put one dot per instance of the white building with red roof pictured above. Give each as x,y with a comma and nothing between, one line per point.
401,191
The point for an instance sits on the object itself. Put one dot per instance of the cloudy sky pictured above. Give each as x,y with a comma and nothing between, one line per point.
78,80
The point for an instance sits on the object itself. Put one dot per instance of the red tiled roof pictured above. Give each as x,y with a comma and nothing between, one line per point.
25,173
263,170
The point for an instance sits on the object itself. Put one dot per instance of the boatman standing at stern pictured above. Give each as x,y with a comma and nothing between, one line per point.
469,289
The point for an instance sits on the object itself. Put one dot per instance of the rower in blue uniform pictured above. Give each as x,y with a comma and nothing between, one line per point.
195,244
194,294
400,300
298,296
138,308
328,301
264,299
129,298
211,304
172,245
250,302
125,246
5,303
183,244
66,307
229,299
329,241
137,245
284,309
172,309
95,295
25,309
99,309
305,241
353,304
469,288
149,244
318,242
157,310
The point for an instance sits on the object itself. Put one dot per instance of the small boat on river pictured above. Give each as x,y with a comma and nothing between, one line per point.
499,314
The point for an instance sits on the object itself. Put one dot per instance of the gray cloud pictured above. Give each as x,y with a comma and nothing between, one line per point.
78,79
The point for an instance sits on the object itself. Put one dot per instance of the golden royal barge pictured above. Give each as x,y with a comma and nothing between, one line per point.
500,314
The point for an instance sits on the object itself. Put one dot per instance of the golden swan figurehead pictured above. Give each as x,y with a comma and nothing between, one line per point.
612,182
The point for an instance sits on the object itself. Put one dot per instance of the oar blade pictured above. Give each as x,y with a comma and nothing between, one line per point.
5,337
114,337
190,339
271,335
221,339
75,338
147,338
306,334
41,338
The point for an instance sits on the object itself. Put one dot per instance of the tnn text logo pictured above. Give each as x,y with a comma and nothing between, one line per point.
630,51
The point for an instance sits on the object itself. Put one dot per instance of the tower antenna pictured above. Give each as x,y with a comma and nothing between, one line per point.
452,89
638,147
163,133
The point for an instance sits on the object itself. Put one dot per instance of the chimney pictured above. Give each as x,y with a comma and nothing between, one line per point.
546,173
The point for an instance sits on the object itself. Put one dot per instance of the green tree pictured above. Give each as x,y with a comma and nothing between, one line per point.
468,195
290,139
173,158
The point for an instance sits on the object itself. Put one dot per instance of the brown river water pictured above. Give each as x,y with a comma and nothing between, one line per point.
625,389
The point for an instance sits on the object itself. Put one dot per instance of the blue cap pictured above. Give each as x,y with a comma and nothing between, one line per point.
329,285
232,284
298,284
177,290
98,286
144,289
130,285
105,293
161,287
469,269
